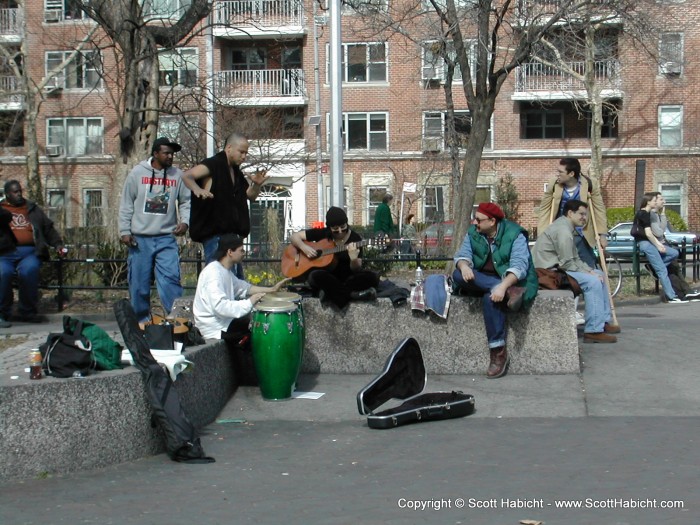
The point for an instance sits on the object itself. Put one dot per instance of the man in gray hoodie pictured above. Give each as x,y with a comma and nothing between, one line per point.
149,220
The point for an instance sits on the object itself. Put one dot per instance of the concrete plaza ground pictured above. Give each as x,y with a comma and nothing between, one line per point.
613,445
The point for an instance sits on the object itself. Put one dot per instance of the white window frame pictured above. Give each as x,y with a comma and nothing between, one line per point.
175,62
89,218
670,125
478,200
58,214
370,63
63,8
60,130
439,215
433,66
429,135
80,60
671,202
671,53
368,117
164,9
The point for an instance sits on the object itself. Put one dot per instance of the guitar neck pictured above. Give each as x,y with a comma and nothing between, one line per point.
343,247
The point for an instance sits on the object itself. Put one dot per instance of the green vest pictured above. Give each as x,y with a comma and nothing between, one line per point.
505,237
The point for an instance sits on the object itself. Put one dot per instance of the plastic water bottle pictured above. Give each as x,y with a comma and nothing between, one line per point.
419,275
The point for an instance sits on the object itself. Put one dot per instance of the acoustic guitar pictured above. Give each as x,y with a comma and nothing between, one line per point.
295,263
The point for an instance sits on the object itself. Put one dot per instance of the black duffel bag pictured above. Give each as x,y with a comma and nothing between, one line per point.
68,354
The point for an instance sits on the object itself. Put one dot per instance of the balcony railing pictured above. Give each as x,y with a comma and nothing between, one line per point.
260,83
260,13
8,90
10,21
540,77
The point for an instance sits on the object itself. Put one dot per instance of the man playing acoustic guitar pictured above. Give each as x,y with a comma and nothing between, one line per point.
343,279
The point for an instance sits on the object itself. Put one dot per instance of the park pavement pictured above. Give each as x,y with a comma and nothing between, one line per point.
616,444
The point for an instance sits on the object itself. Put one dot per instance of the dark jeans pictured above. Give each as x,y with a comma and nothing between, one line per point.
585,252
237,338
337,291
24,262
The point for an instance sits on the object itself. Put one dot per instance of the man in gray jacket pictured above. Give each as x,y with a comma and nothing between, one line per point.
555,248
149,220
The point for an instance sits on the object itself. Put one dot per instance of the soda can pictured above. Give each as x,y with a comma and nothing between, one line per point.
35,371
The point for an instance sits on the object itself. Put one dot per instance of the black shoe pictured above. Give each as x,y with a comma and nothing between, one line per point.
370,294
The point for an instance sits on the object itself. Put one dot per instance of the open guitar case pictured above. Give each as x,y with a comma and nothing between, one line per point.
404,377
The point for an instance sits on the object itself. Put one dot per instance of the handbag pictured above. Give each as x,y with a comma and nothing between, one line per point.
160,336
557,279
67,354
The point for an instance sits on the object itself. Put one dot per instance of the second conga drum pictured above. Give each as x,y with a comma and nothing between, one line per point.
276,339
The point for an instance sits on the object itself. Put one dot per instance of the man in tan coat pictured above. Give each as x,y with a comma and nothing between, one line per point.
571,184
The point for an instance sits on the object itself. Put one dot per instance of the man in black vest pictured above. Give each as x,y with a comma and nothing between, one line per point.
220,195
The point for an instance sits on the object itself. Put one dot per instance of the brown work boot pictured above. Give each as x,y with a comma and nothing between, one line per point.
612,328
600,337
499,362
514,294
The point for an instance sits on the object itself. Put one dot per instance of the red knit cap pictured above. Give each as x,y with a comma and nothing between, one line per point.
491,209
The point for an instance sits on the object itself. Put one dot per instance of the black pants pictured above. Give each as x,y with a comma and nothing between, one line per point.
237,337
337,291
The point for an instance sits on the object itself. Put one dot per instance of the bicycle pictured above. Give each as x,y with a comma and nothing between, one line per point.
614,273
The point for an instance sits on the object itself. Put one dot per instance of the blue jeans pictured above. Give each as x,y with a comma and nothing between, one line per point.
494,313
597,300
26,264
210,246
659,261
157,252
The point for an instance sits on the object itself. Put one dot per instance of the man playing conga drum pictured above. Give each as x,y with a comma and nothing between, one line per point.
223,302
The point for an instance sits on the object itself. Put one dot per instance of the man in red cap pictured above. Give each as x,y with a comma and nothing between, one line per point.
494,263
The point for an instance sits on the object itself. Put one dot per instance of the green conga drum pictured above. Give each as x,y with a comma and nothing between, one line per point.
276,297
276,339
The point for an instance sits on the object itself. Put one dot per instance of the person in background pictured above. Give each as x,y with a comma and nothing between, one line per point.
409,236
658,254
154,209
494,263
220,196
26,233
383,221
344,280
556,249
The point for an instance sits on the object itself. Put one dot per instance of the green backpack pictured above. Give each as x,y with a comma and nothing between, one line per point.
107,352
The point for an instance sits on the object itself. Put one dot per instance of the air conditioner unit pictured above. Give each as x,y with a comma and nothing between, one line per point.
432,144
671,68
53,84
53,150
53,15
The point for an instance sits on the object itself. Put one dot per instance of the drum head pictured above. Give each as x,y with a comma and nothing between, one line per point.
282,296
276,306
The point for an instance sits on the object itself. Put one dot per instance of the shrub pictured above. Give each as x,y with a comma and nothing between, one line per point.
616,215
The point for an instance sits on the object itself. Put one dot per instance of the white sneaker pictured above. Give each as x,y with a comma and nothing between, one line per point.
580,319
692,295
677,300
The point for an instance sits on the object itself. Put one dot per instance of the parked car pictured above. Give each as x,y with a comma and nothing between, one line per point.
621,242
437,238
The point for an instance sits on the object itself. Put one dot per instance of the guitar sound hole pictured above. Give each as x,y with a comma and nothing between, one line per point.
319,253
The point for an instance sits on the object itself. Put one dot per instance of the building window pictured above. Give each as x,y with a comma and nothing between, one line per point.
670,126
164,9
375,194
75,136
11,129
483,194
94,212
249,59
434,204
362,63
433,63
673,194
363,131
83,72
63,10
670,53
609,128
543,124
56,207
178,67
435,135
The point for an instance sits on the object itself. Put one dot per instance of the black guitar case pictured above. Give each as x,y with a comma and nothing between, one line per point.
404,377
181,440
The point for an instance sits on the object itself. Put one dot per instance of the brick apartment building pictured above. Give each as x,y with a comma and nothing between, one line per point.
253,69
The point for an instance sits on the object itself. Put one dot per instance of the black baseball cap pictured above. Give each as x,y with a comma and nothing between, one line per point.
165,141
